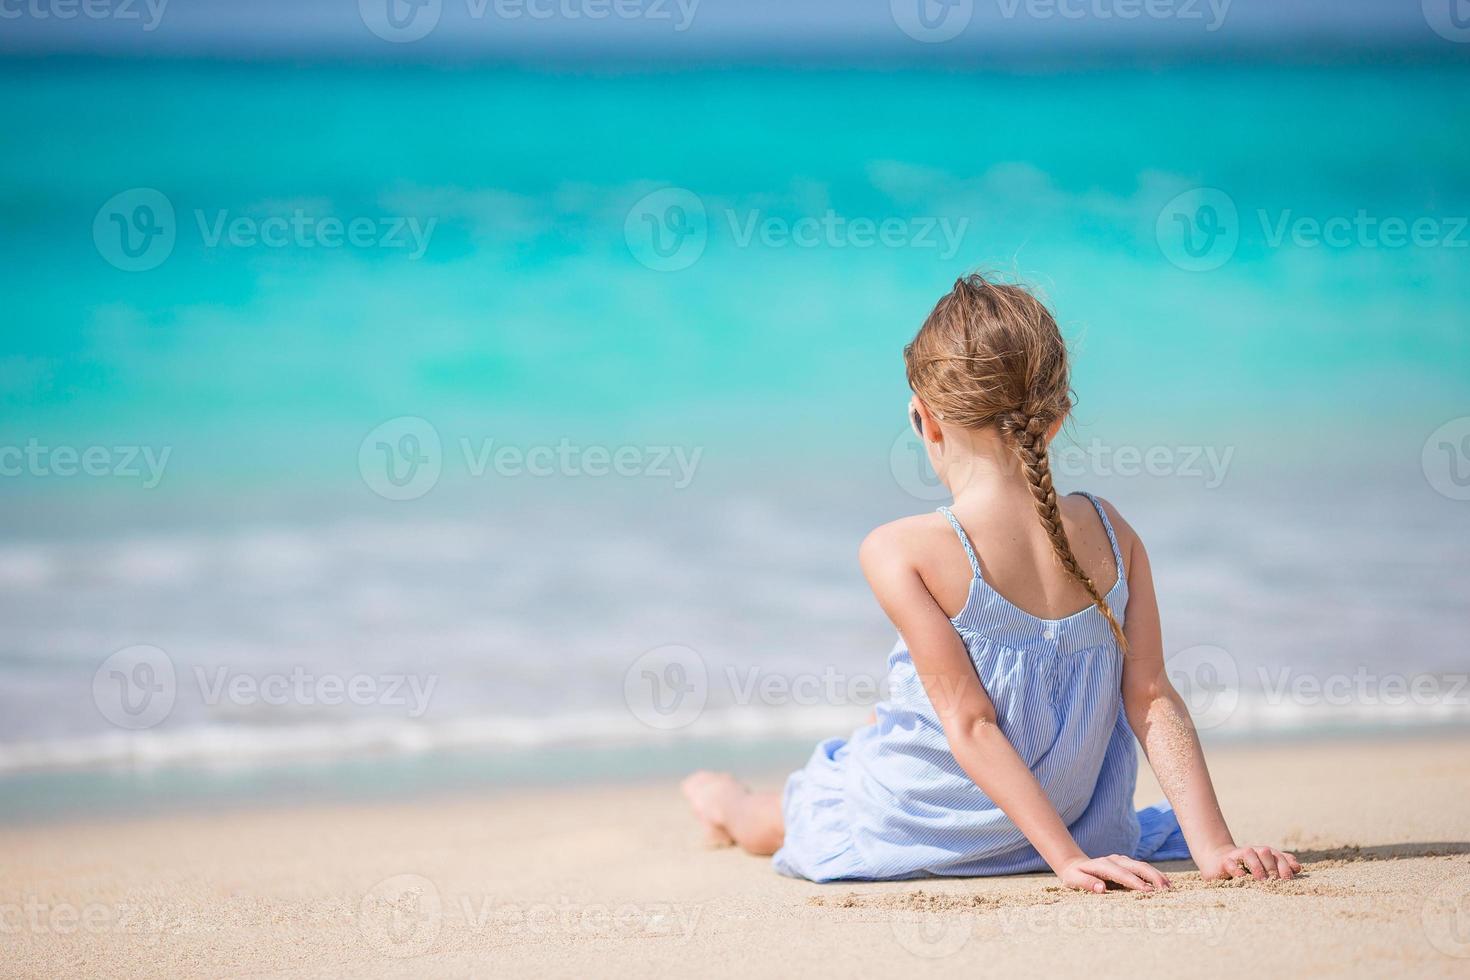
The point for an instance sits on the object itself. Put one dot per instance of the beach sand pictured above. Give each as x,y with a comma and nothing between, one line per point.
617,881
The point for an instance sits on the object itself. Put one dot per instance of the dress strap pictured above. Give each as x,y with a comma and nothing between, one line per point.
1108,527
965,540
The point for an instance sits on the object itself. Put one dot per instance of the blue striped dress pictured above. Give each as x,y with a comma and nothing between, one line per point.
891,802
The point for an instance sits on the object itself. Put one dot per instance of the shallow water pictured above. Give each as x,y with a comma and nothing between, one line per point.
1286,429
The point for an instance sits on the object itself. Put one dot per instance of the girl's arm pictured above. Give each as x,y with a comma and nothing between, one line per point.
1161,721
969,721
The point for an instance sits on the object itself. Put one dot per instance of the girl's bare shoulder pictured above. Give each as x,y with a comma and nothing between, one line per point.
1077,511
907,538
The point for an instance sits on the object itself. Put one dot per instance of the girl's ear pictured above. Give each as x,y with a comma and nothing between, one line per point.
1054,428
928,424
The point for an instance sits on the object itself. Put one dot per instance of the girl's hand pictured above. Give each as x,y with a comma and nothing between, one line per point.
1093,874
1258,861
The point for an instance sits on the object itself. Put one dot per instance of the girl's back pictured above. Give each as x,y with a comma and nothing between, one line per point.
1015,554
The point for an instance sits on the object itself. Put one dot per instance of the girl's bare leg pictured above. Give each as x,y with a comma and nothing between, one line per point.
732,814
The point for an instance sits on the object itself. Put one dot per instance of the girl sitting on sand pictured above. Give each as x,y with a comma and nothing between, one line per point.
1007,742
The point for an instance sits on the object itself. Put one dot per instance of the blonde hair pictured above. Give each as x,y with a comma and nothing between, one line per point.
990,354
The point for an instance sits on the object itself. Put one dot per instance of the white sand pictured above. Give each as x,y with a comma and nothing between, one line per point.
616,882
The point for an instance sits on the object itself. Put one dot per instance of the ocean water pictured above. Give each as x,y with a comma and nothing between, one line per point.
355,495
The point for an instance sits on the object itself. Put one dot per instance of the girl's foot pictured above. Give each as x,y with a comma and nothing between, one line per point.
709,794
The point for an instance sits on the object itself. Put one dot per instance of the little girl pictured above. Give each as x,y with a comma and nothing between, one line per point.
1029,657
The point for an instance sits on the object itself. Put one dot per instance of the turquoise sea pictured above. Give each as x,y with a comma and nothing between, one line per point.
272,298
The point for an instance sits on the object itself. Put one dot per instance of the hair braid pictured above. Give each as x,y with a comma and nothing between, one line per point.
1029,435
